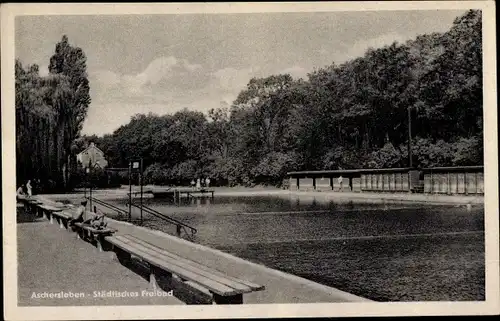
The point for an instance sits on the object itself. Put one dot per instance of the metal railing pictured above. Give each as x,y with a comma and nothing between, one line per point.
107,205
138,193
180,225
149,191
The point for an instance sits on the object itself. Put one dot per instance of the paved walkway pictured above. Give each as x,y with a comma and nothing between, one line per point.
52,260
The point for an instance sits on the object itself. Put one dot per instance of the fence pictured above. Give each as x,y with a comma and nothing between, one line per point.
386,180
439,180
325,180
454,180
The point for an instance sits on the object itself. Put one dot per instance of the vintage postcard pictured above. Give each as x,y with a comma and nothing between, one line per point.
232,160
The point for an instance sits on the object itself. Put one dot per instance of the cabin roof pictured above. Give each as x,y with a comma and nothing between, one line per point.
349,171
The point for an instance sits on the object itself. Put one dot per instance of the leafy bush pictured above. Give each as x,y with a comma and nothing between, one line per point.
387,157
467,152
429,154
273,167
97,178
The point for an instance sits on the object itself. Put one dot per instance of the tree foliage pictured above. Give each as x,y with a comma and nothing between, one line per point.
353,115
343,116
49,115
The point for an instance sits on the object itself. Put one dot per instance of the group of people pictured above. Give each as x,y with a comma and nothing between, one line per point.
95,220
25,190
200,182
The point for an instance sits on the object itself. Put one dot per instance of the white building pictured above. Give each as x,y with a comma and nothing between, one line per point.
92,155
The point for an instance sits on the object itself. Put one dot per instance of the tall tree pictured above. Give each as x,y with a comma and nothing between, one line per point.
74,96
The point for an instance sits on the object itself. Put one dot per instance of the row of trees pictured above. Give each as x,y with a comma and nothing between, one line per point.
49,115
353,115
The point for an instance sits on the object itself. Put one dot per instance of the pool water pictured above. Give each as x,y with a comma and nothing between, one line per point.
381,251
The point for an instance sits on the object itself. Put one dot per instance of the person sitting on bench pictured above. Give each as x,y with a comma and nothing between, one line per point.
78,215
20,192
96,221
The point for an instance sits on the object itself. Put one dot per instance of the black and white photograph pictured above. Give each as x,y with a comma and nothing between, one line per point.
172,161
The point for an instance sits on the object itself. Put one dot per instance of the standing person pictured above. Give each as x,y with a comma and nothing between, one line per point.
207,182
193,183
341,181
198,183
29,188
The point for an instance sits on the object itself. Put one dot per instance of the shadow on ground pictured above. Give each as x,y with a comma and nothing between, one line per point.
135,265
23,217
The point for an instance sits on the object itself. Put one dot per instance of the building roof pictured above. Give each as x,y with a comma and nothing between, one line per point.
454,169
92,145
386,170
349,171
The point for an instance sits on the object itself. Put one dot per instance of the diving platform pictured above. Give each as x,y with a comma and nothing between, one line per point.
177,193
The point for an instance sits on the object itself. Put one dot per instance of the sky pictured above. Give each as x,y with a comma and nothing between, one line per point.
164,63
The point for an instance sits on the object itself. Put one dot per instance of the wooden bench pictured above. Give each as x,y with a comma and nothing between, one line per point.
21,199
89,233
48,210
169,271
33,204
63,217
33,207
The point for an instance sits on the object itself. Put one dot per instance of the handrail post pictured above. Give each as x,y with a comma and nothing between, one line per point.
90,193
167,218
130,191
141,178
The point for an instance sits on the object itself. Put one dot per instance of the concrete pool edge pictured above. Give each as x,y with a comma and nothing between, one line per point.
344,297
367,196
431,199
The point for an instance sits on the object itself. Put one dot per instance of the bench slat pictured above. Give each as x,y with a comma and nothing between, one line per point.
49,202
215,274
63,214
196,267
51,208
136,250
94,230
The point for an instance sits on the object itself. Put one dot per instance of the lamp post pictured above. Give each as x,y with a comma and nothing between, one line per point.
410,154
89,182
135,165
140,175
88,170
130,191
